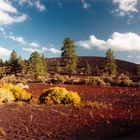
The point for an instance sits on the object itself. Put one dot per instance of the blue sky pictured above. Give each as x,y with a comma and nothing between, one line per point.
94,25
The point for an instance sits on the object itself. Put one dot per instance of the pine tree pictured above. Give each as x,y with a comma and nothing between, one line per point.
36,64
58,67
96,70
13,63
44,65
87,69
138,70
69,56
110,63
21,65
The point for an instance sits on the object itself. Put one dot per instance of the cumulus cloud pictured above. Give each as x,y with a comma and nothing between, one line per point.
33,3
26,49
52,50
42,50
117,42
126,7
85,4
4,51
18,39
9,14
34,45
29,46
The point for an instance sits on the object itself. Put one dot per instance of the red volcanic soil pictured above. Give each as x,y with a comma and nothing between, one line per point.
39,122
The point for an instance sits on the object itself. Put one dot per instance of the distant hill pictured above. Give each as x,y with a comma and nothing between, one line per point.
122,66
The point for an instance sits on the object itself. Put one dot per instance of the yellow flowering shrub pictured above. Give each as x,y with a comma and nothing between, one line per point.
6,96
59,95
10,93
20,94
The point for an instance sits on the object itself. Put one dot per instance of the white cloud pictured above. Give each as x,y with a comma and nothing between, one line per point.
40,6
19,39
33,3
85,4
26,49
117,42
42,50
52,50
4,52
7,7
29,46
34,45
126,7
9,14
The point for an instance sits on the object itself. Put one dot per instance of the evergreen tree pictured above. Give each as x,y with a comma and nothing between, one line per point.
44,65
13,63
138,70
1,61
110,63
87,69
36,64
21,65
58,67
96,70
69,56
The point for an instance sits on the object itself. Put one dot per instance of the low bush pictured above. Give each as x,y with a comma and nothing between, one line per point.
9,79
58,95
57,79
6,96
10,93
124,80
95,81
41,79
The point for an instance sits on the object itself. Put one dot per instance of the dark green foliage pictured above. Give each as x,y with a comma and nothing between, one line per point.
44,65
87,69
37,64
138,70
96,70
69,56
110,63
58,67
1,61
15,63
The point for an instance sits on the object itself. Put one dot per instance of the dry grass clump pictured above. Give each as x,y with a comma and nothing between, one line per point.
59,95
95,81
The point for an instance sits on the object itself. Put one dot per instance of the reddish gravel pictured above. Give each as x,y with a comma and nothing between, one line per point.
38,122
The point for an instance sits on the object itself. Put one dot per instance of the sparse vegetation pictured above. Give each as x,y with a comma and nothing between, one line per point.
95,81
87,69
124,80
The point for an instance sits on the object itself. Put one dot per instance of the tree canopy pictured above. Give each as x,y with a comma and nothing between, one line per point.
37,64
69,56
110,63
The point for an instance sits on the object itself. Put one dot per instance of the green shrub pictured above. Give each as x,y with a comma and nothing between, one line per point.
10,93
95,81
58,95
